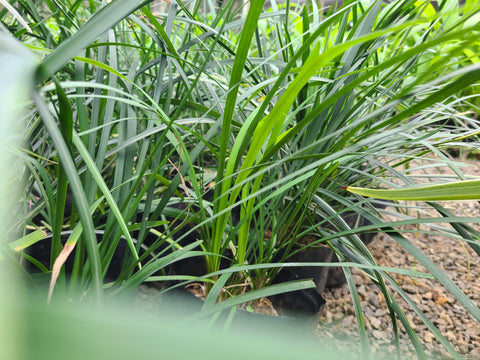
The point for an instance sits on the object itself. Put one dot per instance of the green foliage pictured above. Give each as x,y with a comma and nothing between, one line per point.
134,113
461,190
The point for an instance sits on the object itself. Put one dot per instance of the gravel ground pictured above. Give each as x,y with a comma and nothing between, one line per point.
338,322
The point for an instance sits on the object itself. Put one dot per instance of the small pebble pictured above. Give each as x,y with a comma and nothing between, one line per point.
428,295
450,335
377,334
373,299
428,337
376,323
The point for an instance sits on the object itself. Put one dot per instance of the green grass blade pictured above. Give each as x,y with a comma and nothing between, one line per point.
105,18
256,294
77,192
358,313
27,240
460,190
237,71
97,176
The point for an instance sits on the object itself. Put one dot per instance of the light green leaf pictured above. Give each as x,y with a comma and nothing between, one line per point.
27,240
102,20
460,190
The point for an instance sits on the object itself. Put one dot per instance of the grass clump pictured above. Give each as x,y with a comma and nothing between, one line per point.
193,133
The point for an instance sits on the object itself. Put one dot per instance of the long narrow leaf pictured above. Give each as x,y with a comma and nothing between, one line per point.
106,192
77,191
461,190
101,21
